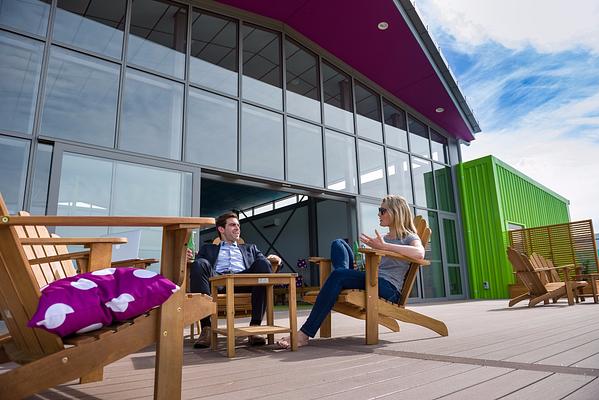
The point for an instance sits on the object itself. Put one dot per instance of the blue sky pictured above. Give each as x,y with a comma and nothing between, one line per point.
530,72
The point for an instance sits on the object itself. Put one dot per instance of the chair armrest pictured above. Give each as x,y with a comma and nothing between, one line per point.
135,262
392,254
60,257
570,266
86,241
318,260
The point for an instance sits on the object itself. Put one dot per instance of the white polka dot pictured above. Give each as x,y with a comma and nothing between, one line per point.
176,289
55,315
105,271
121,303
84,284
144,273
90,328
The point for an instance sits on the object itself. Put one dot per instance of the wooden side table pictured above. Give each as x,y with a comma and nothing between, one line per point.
593,281
230,281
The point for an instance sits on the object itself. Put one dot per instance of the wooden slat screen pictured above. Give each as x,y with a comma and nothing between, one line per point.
569,243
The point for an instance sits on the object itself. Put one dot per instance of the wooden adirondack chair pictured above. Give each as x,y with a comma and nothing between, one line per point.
47,272
243,301
366,304
539,289
52,360
549,273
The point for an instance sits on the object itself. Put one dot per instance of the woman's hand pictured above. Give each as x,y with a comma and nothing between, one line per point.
189,255
377,242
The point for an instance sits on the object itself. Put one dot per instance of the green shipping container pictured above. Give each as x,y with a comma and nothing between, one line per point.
495,198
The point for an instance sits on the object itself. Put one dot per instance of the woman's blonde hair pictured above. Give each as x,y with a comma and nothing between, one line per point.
402,221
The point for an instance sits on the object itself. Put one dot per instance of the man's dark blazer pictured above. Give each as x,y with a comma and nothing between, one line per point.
249,252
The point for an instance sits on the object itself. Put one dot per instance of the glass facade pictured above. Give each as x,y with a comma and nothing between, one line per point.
169,83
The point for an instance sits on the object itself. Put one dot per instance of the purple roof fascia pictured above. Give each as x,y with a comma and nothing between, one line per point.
392,58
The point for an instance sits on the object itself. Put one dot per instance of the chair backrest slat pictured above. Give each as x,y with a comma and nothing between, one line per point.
20,295
526,272
424,233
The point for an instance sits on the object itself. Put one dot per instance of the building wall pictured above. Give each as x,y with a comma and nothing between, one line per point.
121,109
494,195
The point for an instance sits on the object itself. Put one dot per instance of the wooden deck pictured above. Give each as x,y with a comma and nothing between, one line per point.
548,352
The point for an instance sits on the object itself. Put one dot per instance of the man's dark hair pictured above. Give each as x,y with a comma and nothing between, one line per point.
221,220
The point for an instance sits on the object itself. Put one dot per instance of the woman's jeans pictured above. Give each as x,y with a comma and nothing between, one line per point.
342,256
341,278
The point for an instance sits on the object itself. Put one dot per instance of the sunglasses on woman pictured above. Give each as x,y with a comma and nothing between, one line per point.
382,210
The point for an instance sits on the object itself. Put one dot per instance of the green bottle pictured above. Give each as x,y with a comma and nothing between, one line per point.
191,244
358,256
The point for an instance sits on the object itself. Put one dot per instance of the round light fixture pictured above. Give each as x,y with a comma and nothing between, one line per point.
383,25
439,109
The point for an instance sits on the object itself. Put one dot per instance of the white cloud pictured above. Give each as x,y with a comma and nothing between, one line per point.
547,25
545,148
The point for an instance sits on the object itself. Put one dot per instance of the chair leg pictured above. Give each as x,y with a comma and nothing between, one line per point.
94,376
325,327
518,299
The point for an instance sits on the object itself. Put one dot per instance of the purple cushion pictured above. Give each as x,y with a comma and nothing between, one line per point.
89,301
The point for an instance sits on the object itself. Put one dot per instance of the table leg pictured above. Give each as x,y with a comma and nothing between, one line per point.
214,318
270,313
230,318
293,313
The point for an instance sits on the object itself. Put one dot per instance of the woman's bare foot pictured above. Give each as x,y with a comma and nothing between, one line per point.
302,340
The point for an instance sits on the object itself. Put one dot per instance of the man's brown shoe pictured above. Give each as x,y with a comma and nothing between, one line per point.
204,339
256,340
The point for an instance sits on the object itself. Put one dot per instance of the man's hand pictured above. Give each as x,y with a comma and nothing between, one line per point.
273,258
190,256
377,242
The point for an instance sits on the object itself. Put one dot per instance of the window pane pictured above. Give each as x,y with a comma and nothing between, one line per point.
303,95
424,188
451,241
341,162
152,115
369,219
455,281
157,40
211,130
41,179
26,15
368,113
213,60
95,25
13,164
338,106
444,187
372,169
262,67
304,151
398,173
396,133
94,186
418,138
81,98
20,65
262,142
433,281
439,147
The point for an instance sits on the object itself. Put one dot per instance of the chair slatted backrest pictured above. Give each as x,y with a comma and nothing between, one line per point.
526,272
47,272
424,233
538,261
19,296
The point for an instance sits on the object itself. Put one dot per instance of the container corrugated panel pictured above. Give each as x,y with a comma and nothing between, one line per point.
493,194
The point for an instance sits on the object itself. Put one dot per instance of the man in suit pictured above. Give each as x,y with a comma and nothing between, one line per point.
226,258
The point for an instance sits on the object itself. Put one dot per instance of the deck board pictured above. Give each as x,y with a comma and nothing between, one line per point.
549,352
